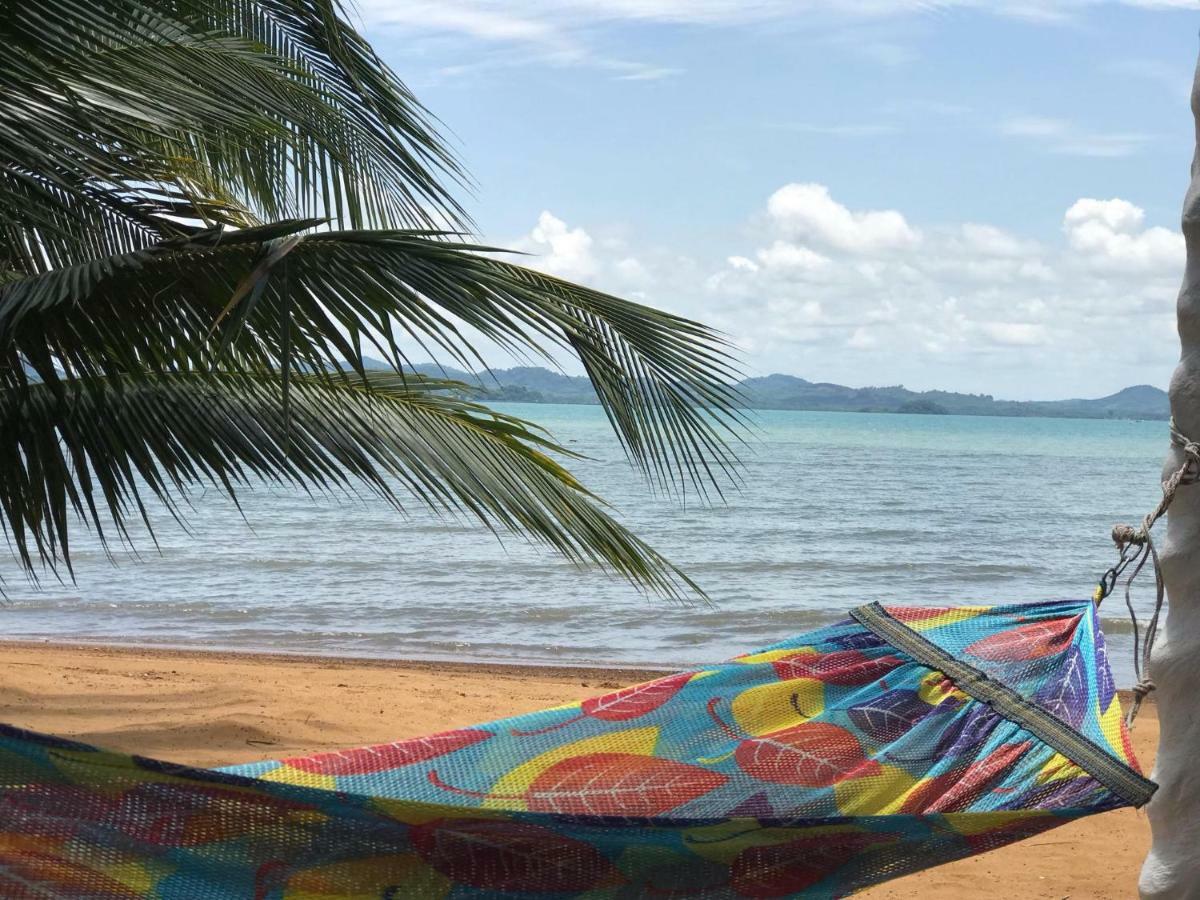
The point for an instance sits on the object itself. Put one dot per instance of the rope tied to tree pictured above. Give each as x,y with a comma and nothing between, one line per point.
1136,547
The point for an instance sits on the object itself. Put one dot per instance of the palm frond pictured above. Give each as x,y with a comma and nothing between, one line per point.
665,381
100,448
215,110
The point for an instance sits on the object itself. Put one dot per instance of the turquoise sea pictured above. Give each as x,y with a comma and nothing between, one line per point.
836,509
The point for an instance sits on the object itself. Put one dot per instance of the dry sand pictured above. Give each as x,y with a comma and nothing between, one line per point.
220,708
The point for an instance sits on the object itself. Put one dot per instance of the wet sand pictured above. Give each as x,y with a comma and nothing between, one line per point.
214,708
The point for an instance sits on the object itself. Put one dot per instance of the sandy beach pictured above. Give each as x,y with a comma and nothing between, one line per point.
211,708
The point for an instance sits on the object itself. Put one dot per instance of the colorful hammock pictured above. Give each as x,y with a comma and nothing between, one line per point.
893,741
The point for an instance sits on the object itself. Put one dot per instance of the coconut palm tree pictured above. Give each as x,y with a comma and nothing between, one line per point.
212,212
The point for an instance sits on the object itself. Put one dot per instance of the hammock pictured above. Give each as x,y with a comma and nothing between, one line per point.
898,739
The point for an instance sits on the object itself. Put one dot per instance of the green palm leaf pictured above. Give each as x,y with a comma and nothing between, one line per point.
664,381
120,113
97,449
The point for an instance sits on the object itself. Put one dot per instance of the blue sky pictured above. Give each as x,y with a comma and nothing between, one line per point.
974,196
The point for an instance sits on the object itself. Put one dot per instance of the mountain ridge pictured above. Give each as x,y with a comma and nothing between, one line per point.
537,384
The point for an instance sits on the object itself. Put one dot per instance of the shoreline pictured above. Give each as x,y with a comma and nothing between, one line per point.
630,672
208,708
623,672
519,669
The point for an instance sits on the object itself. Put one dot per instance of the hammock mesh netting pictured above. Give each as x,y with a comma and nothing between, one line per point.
893,741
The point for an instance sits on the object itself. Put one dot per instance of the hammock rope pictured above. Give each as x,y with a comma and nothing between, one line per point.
1135,547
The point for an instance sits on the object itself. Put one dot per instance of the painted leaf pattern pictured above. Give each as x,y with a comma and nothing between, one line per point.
1026,642
815,767
812,754
891,715
1106,688
384,757
632,702
1065,694
619,784
842,667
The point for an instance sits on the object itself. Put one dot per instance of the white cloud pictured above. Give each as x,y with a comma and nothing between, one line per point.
605,260
633,272
1065,137
1015,334
1110,234
808,212
862,339
486,21
559,250
975,301
784,255
532,32
564,33
991,241
863,297
1034,126
1113,145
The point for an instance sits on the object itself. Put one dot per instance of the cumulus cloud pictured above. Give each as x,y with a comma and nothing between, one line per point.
1111,234
990,241
605,261
808,212
785,255
883,301
558,249
829,292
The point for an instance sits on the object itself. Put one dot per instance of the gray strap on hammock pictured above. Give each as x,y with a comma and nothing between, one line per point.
1136,546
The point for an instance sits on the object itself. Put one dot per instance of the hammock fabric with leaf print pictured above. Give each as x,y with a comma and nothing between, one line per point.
893,741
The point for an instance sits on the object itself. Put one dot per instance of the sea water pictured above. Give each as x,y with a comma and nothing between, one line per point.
833,510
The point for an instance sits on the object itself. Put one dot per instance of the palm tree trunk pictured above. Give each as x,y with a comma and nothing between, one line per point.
1172,869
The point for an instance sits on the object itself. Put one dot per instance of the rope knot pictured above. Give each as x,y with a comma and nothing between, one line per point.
1125,535
1190,472
1144,686
1192,467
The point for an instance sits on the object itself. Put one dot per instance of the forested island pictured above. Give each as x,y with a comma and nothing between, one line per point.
536,384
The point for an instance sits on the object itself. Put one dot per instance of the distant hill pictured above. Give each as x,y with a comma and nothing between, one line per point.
1142,401
535,384
521,384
